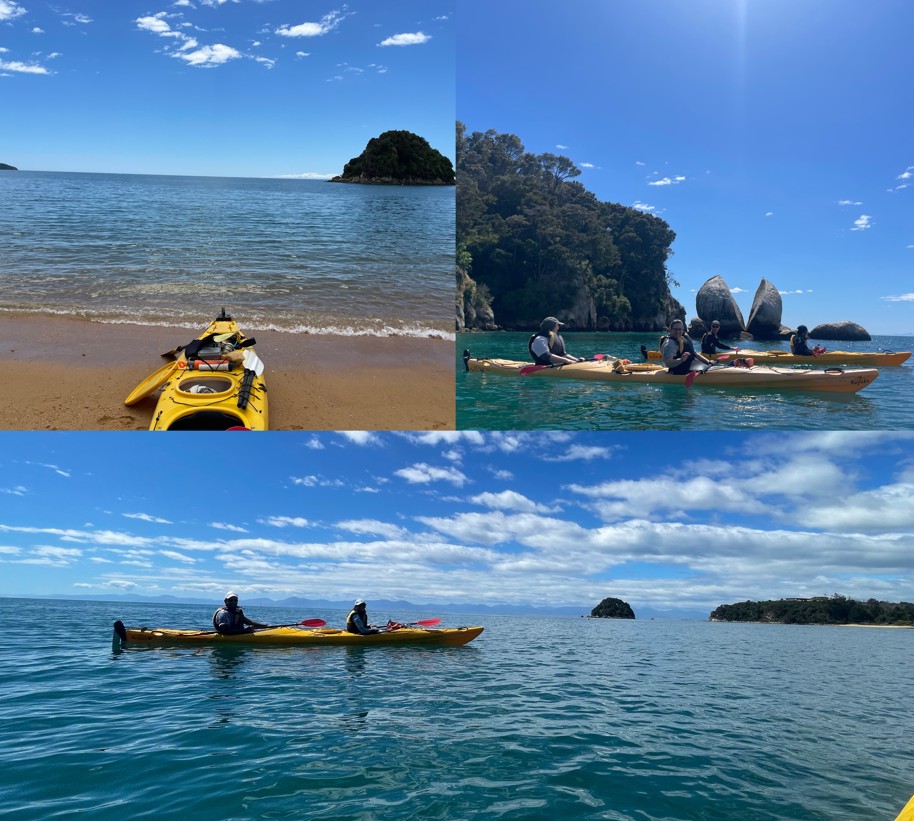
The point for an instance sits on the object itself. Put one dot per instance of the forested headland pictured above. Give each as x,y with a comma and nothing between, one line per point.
818,610
532,242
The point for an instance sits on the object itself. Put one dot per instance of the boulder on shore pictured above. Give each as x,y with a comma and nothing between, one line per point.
765,316
715,301
612,609
840,332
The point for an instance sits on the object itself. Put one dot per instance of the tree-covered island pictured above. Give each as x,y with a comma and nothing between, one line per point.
5,167
398,158
612,609
532,241
834,609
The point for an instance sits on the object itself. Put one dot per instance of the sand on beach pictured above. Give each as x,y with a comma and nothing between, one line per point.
70,374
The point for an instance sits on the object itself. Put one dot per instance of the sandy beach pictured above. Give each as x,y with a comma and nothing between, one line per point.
70,374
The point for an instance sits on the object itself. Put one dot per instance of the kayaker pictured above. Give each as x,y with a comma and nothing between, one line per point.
230,618
357,620
798,342
547,347
678,351
710,343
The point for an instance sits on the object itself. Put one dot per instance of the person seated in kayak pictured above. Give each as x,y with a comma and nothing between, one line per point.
547,347
678,352
230,619
357,620
710,343
799,344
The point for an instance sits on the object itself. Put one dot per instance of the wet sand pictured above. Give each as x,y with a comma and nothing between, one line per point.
69,374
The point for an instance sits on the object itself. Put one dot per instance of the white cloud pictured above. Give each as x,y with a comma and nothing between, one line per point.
769,213
668,181
226,526
406,39
422,473
361,437
561,147
643,206
583,452
23,68
587,165
178,557
899,298
10,10
208,56
862,223
18,490
145,517
327,24
284,521
849,202
906,174
507,500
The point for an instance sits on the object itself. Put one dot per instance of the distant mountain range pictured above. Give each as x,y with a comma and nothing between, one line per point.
386,605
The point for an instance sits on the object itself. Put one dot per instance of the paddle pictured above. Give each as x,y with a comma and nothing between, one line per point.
396,625
253,366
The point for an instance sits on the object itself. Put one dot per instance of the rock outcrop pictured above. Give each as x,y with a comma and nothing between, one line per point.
612,609
840,332
473,311
715,301
765,316
5,167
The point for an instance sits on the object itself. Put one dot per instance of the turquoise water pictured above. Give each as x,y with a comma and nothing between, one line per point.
293,255
493,402
539,718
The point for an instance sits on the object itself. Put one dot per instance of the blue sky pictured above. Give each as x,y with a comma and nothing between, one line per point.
220,87
774,136
661,520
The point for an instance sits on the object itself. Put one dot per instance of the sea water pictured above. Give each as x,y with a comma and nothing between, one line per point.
498,402
291,255
539,718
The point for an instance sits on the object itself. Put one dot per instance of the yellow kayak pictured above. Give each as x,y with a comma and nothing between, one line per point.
296,637
907,812
215,384
832,380
878,358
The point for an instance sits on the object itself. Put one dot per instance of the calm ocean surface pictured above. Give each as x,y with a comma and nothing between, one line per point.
292,255
492,402
539,718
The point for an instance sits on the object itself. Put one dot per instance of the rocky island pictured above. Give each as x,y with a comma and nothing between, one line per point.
398,158
612,609
5,167
819,610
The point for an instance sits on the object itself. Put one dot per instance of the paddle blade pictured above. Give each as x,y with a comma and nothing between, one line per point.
427,622
313,623
690,378
528,369
120,631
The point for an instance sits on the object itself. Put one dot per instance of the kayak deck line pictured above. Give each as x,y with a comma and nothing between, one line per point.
856,358
294,637
831,380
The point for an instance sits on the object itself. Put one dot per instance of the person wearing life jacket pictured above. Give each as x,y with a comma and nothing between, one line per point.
230,619
547,347
357,620
798,342
710,343
678,352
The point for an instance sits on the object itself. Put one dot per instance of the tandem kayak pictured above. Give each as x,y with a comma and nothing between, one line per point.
832,380
216,383
879,358
295,636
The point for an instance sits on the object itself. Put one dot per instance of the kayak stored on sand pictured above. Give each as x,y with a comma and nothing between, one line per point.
878,358
295,636
216,383
832,380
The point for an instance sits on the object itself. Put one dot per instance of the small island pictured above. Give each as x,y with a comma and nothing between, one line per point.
398,158
5,167
834,609
612,609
